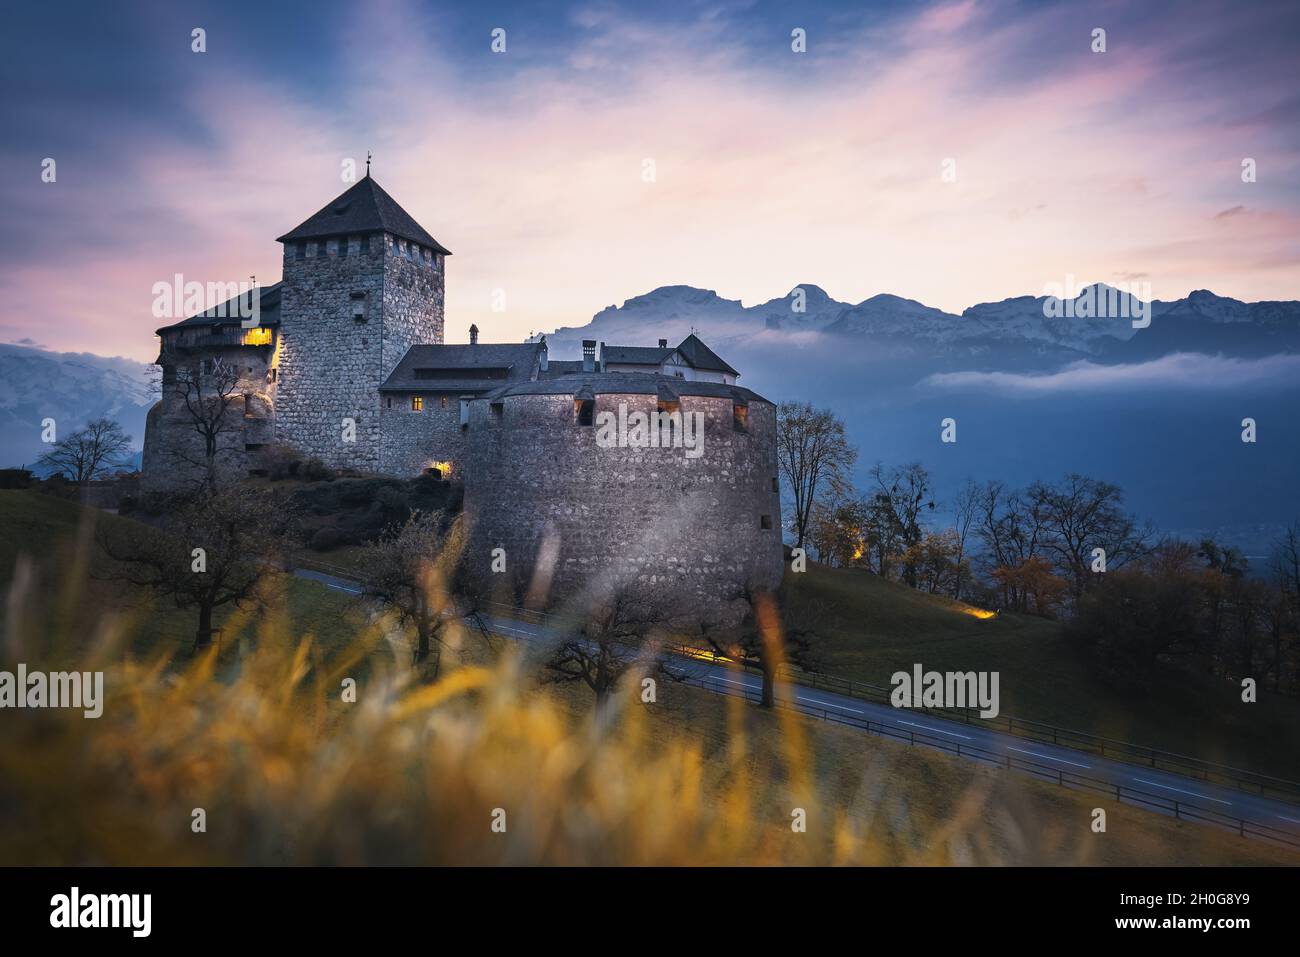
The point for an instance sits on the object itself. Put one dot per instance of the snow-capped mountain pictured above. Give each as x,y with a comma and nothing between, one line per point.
1038,385
70,388
1100,323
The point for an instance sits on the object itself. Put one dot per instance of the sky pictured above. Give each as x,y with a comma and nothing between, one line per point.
952,152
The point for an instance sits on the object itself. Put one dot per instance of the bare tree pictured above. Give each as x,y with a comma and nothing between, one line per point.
410,569
837,530
814,456
901,497
1080,516
1285,560
215,551
965,508
1284,624
773,633
207,391
618,633
90,452
1011,528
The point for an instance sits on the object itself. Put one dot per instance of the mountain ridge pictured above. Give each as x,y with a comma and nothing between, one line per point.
1047,323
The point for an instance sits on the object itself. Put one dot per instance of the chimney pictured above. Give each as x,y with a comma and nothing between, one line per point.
543,359
663,343
473,335
588,355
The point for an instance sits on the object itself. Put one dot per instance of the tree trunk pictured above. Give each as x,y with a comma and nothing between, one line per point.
422,639
768,698
203,635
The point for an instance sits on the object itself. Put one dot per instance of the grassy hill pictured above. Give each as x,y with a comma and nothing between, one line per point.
875,801
885,627
58,536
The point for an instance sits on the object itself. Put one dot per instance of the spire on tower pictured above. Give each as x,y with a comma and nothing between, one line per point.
367,163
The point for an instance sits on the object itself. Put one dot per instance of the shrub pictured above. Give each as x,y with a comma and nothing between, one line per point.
394,504
15,478
58,486
326,538
279,461
314,470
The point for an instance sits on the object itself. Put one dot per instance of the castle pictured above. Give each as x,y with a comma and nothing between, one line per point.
346,364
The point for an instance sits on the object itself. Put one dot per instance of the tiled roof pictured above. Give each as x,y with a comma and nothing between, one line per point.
635,355
625,383
474,361
228,312
364,208
559,367
702,357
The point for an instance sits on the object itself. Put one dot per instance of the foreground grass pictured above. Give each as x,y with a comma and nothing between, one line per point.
258,735
261,743
885,627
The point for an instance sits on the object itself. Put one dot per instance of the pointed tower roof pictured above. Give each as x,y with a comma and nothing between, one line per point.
702,357
363,208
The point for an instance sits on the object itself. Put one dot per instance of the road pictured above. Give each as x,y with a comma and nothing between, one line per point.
1157,790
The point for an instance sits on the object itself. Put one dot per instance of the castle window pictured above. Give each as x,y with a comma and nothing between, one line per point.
208,366
776,484
343,245
271,376
464,413
765,522
417,403
584,411
498,408
358,306
299,250
260,336
365,245
740,417
444,402
388,402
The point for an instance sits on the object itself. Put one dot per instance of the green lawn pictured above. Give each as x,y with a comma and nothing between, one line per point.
57,535
885,627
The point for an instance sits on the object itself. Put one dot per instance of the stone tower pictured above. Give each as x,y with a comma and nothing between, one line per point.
363,282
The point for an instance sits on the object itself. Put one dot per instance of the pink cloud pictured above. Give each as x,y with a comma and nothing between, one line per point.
830,175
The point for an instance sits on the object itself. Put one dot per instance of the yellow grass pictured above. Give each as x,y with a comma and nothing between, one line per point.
257,735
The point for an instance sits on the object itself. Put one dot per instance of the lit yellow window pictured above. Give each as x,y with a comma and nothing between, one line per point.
417,403
257,337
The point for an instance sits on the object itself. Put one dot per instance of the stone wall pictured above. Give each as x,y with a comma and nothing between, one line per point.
690,531
174,452
332,365
412,302
412,441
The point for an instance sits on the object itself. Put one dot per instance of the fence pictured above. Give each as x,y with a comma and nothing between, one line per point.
1020,727
1122,793
1242,780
